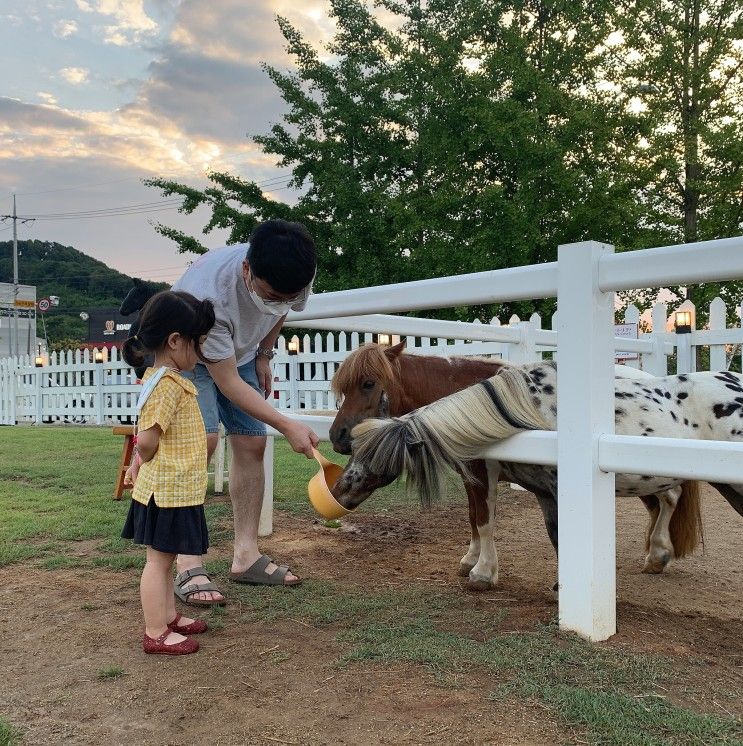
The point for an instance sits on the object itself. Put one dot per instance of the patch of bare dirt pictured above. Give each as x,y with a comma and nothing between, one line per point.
277,683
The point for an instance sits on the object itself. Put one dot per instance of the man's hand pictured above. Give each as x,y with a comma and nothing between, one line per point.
265,375
301,438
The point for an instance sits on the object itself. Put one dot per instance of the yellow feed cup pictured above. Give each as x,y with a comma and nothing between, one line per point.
319,486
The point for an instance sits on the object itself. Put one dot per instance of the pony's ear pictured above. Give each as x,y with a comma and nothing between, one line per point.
395,351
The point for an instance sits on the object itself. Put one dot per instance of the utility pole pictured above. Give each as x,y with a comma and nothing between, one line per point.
15,347
15,280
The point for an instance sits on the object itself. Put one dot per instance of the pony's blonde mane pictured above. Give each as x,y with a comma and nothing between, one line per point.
449,432
368,362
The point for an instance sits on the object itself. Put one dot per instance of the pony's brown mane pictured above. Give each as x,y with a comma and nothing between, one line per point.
367,363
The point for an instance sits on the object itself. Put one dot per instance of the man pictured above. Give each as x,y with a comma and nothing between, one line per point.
252,287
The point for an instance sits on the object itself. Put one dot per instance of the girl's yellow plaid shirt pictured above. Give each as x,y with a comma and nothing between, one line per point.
176,475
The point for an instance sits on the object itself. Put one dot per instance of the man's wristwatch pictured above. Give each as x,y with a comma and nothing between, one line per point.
265,352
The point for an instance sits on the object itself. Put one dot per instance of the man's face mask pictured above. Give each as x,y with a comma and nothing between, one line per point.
272,307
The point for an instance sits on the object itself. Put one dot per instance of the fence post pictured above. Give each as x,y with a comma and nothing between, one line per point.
525,350
586,504
685,352
39,396
717,313
219,461
632,316
536,324
554,322
656,362
99,403
14,374
265,522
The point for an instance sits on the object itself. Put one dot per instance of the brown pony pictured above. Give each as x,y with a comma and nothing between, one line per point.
381,382
378,381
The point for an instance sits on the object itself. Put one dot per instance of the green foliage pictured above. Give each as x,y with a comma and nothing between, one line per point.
110,672
471,137
681,63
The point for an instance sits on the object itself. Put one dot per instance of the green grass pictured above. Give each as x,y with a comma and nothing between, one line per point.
110,672
613,697
55,492
9,736
56,512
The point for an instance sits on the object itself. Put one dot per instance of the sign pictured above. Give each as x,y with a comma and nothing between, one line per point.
626,331
24,303
23,313
108,325
44,304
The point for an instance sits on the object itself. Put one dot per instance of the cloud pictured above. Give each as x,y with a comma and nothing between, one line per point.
63,29
131,22
47,98
75,75
128,138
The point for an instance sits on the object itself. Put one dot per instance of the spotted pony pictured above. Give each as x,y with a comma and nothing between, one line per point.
446,434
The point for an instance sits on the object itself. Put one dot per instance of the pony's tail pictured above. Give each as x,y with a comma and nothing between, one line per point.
686,528
391,447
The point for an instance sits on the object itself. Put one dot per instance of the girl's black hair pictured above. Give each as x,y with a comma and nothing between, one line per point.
166,313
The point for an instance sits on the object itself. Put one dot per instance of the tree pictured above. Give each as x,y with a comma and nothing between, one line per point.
466,135
682,63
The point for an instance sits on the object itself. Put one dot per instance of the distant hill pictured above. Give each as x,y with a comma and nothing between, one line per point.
80,281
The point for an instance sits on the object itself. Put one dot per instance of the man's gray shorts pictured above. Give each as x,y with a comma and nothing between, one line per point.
216,407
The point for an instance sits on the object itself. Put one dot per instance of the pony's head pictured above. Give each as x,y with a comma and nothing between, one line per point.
365,382
137,296
383,450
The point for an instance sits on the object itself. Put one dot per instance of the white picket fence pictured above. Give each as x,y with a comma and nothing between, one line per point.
72,388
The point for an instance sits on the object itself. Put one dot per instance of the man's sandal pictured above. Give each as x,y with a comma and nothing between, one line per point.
184,591
256,574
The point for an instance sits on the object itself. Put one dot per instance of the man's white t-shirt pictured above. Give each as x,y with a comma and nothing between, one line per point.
240,325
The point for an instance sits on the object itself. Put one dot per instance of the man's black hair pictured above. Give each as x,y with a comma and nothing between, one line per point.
283,255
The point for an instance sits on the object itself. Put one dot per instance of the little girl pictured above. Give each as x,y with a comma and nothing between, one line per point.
167,509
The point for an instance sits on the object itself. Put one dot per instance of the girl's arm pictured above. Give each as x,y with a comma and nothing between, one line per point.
148,442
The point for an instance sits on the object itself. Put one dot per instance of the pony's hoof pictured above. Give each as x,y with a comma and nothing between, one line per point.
657,565
480,583
464,570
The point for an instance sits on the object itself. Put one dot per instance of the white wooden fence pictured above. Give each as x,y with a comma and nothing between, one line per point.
71,388
585,448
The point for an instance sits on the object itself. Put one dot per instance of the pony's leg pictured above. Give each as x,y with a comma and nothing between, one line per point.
474,494
659,542
732,493
484,575
548,503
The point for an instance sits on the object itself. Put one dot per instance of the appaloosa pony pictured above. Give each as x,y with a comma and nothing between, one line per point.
379,381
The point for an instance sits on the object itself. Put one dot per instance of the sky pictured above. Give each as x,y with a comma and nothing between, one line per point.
97,94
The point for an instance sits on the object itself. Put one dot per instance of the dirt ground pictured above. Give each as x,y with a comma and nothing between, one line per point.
238,690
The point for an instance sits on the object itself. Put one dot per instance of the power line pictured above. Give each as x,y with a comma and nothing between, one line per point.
87,185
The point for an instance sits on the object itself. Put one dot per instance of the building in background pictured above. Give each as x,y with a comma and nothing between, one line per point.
27,343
